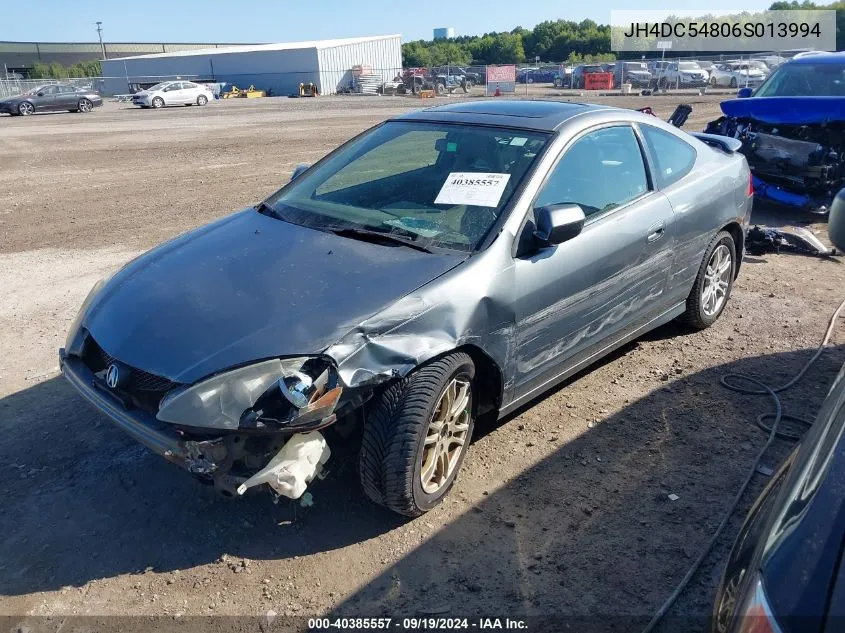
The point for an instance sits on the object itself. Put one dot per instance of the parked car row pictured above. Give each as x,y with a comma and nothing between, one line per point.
657,73
66,97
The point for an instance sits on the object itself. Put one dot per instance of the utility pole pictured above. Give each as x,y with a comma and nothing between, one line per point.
100,34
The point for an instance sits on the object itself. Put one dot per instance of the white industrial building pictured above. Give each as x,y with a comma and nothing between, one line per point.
279,68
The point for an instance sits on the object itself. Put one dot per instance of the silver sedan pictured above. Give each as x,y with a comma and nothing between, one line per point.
168,93
452,262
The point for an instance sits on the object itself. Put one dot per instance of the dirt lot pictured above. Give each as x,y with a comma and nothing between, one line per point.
561,510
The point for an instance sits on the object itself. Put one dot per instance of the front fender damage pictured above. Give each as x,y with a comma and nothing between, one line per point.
449,314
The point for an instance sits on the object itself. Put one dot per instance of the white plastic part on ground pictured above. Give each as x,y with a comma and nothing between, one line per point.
293,467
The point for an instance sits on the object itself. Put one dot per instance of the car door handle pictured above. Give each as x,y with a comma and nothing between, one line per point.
656,231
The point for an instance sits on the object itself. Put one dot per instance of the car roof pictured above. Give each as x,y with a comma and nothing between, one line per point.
818,57
545,116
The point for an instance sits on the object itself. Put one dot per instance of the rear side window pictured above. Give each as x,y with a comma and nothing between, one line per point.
672,158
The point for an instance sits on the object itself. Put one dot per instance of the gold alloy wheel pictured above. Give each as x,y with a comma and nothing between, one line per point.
446,437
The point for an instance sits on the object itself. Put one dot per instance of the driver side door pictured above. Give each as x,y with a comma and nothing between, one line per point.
573,300
173,93
45,99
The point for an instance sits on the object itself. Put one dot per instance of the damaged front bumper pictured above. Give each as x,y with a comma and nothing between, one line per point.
799,166
803,201
232,461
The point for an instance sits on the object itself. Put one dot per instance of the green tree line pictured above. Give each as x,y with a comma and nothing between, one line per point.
551,41
40,70
840,15
558,40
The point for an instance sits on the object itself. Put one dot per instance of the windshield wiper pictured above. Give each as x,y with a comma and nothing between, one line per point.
265,209
375,235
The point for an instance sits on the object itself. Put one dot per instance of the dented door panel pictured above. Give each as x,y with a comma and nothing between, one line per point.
608,279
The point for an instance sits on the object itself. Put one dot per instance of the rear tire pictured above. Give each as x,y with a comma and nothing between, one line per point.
713,284
406,461
202,100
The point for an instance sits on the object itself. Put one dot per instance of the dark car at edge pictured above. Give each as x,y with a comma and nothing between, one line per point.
785,573
52,98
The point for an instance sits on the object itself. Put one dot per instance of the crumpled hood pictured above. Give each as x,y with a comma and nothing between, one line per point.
787,110
246,288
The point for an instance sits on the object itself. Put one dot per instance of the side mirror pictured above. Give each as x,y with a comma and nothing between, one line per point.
836,221
744,93
557,223
40,94
297,171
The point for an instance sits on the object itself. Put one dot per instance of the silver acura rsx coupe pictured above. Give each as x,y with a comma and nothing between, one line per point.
449,263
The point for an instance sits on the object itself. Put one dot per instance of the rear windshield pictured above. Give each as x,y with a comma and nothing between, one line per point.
805,80
437,184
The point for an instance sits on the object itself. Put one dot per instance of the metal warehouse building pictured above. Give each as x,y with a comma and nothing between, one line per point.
279,68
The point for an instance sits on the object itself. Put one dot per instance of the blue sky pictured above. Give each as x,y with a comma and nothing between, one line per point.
293,20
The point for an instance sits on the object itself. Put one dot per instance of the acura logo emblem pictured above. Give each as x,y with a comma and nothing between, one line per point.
113,376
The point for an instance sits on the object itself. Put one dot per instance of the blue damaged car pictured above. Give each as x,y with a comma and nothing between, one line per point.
792,130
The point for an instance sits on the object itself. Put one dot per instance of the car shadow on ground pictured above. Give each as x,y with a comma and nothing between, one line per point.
82,501
594,519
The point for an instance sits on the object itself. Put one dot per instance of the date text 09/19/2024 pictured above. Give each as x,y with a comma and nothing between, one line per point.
416,624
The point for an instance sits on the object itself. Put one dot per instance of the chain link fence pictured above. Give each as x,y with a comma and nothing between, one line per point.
655,73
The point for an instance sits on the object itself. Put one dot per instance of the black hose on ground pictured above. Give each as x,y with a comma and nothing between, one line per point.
729,382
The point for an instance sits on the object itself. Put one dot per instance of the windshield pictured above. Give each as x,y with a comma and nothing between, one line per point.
434,184
689,66
805,80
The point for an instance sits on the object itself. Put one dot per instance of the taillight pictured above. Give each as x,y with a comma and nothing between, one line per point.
755,615
750,184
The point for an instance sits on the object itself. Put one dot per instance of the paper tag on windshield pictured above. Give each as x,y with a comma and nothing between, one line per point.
482,190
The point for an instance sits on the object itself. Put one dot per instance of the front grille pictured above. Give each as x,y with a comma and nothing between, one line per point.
145,389
139,379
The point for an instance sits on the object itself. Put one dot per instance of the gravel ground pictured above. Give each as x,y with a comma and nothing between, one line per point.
562,509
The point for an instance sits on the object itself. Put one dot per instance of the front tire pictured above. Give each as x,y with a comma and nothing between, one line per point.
158,102
25,108
713,284
733,82
416,436
84,106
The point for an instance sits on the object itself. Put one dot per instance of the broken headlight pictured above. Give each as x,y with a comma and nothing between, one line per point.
292,389
71,344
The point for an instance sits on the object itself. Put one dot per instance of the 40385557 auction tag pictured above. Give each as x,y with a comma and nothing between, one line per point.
478,189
